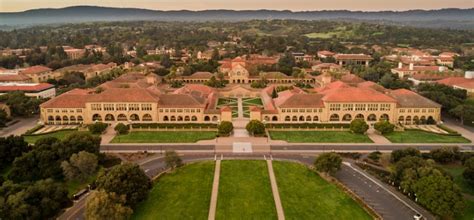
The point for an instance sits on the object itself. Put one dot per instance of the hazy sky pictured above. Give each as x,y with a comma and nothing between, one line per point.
295,5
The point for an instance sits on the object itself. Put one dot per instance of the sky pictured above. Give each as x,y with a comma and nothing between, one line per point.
294,5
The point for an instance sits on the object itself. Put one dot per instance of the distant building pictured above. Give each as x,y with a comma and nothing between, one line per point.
465,83
358,59
325,54
37,90
38,73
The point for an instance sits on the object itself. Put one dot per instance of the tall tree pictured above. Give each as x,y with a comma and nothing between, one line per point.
103,205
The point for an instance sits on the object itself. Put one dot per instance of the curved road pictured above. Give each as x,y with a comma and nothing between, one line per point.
386,201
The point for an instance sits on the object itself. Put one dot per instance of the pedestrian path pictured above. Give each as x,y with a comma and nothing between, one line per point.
276,194
242,147
377,138
215,191
240,108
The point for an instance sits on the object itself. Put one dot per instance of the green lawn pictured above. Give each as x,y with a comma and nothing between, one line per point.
417,136
252,101
58,134
245,191
305,195
456,171
183,194
319,137
164,137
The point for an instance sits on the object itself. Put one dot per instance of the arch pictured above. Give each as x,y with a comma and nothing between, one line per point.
187,118
147,117
334,117
267,118
122,117
180,118
72,118
347,117
301,118
50,118
360,116
401,119
207,118
287,118
173,118
194,118
372,117
384,117
58,118
430,120
294,118
274,118
423,120
134,117
416,120
308,118
408,120
214,118
65,118
79,118
315,118
96,117
109,117
165,118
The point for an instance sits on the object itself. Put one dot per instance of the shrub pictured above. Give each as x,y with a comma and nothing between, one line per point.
375,156
172,159
328,163
384,127
121,128
97,128
445,154
399,154
225,128
256,128
359,126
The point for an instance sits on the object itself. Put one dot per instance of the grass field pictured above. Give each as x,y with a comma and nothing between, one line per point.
415,136
58,134
245,191
164,137
456,171
305,195
319,137
184,194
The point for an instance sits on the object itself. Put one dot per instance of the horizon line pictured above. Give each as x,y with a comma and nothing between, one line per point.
228,9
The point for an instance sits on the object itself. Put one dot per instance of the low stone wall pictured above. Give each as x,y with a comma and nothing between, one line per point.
173,129
308,129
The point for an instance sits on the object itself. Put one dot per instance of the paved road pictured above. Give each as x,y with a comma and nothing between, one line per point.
272,148
379,197
20,127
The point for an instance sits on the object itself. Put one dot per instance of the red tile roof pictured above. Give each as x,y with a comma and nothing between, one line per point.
409,99
458,81
8,87
14,77
35,70
124,95
75,98
354,94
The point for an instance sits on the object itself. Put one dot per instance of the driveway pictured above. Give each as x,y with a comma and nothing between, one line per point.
20,127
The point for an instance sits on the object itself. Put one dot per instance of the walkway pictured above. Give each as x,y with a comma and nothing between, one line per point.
463,130
377,138
215,191
276,194
240,108
108,135
20,127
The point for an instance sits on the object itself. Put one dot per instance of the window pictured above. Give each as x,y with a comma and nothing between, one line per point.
180,110
134,107
416,110
347,107
96,107
146,107
301,110
121,107
109,107
384,107
431,110
373,107
50,110
360,107
64,111
172,110
283,110
402,111
335,107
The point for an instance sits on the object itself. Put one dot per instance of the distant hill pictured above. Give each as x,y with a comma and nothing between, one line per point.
442,18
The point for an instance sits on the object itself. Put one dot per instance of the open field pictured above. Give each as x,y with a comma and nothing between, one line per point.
305,195
57,134
319,137
164,137
183,194
245,191
415,136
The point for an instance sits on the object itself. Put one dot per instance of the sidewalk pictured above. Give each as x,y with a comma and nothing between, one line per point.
108,135
215,191
276,194
377,138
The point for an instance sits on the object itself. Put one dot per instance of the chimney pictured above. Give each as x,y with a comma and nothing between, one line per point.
469,75
400,65
411,66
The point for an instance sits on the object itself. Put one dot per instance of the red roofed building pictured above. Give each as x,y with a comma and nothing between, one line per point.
38,73
465,83
359,59
37,90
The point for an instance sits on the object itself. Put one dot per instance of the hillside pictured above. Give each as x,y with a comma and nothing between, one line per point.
443,18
